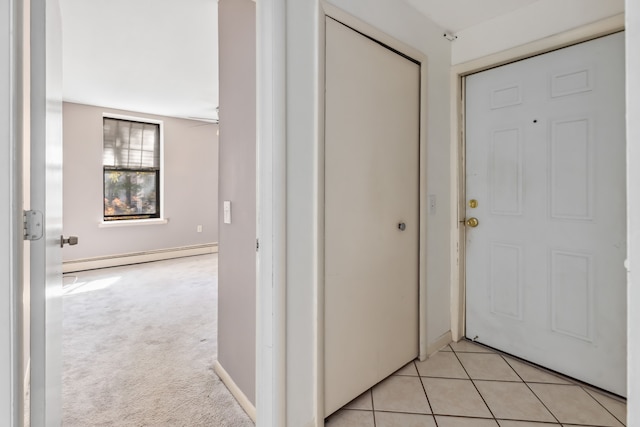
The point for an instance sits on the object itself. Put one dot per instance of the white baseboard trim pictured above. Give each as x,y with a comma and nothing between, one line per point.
439,343
137,257
235,391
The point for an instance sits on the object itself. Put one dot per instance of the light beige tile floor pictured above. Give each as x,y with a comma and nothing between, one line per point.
468,385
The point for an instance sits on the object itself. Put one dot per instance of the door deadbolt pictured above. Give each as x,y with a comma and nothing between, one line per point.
402,226
71,240
473,203
473,222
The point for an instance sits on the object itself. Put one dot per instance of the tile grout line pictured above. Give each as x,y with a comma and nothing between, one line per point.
569,381
530,389
424,389
551,423
373,407
488,381
475,386
583,425
601,404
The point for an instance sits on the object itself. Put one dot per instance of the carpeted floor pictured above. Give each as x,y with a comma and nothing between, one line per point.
139,344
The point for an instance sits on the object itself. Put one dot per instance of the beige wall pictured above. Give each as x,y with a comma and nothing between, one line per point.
237,242
190,194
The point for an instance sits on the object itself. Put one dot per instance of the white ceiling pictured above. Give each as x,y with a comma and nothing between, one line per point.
151,56
456,15
161,56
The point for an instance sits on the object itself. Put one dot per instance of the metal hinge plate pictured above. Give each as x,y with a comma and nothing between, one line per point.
257,245
33,225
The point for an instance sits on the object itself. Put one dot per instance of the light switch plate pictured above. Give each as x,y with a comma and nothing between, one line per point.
227,211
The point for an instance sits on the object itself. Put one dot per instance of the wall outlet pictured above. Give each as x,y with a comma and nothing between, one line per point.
199,229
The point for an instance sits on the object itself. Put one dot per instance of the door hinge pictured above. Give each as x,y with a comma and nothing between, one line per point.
257,245
33,225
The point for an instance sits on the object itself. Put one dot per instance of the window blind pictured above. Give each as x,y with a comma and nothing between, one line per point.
130,145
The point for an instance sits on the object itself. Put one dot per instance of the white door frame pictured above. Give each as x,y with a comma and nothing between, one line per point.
45,258
11,250
632,60
588,32
290,207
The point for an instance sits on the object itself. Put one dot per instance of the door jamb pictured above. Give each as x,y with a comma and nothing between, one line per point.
588,32
11,219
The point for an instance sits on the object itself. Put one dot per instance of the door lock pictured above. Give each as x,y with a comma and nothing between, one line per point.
71,240
402,226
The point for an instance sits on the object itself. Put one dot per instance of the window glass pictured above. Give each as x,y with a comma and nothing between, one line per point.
131,169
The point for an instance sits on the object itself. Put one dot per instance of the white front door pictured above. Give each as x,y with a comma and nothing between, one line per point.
46,197
371,213
546,165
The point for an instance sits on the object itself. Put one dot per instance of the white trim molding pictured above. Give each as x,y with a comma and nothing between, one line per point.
438,344
11,220
242,398
133,222
271,213
137,257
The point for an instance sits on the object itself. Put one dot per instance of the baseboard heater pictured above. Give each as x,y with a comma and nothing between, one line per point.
137,257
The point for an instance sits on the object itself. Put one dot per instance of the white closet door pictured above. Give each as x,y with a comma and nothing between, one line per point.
371,213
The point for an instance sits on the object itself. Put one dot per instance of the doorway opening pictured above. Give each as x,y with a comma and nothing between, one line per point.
132,77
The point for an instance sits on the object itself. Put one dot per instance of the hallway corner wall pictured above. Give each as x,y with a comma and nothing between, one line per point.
237,179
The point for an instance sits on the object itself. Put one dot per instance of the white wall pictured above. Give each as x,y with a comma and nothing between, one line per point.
303,25
536,21
633,206
302,41
190,196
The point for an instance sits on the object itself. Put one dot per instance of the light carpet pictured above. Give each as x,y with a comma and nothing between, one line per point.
139,344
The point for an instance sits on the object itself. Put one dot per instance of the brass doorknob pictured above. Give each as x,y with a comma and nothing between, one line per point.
472,222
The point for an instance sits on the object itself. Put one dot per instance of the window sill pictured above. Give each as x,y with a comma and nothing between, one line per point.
132,222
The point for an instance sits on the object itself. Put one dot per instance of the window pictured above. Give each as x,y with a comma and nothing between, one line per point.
131,169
